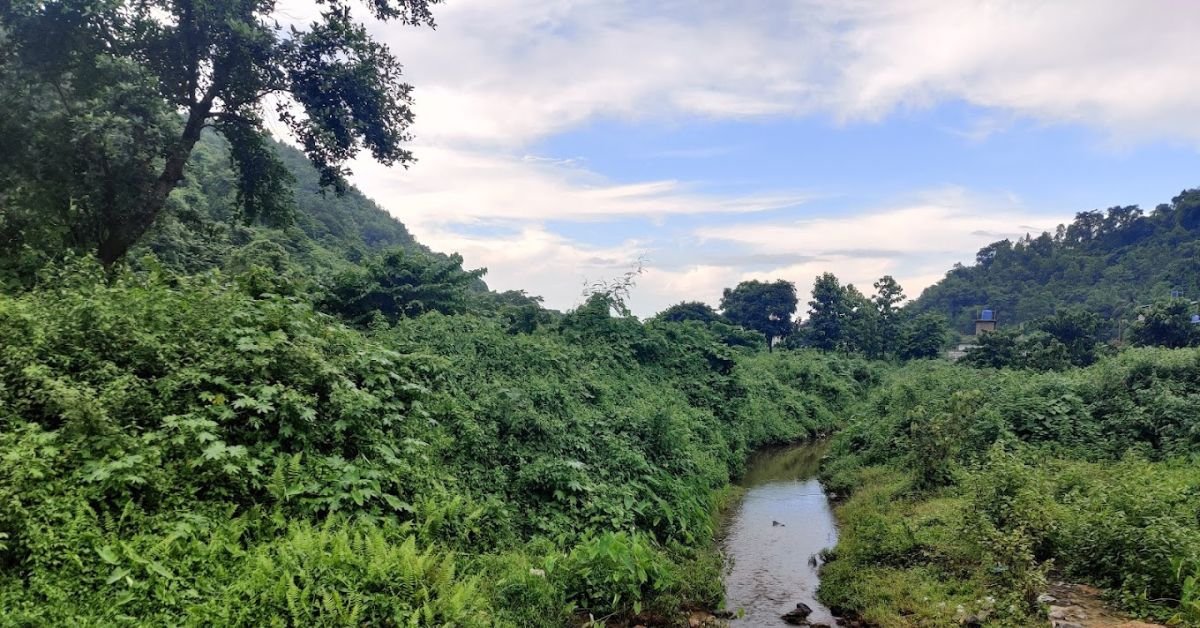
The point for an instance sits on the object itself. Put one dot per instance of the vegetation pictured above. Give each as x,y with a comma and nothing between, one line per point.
183,449
108,100
764,307
227,398
1108,262
967,487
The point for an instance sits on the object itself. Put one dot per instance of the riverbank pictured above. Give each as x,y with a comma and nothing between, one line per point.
970,490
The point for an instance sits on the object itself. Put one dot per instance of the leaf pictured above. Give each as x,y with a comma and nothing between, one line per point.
157,568
397,504
116,575
108,555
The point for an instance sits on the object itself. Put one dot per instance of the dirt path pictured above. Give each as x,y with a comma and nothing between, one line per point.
1081,606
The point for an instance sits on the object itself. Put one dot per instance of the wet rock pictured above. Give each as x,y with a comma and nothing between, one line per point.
724,614
798,616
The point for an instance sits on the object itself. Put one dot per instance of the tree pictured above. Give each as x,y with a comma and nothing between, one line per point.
761,306
1077,330
1166,324
888,296
399,284
996,349
827,313
923,336
863,325
109,98
689,311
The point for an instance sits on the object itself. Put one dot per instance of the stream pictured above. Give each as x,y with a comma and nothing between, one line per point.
768,568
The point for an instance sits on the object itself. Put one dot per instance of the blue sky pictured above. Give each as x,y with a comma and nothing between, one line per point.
561,140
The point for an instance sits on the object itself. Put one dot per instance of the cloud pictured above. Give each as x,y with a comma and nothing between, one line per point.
915,242
463,186
507,72
1118,66
499,76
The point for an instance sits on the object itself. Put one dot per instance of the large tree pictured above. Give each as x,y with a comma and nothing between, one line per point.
1166,324
689,311
828,312
105,100
766,307
888,296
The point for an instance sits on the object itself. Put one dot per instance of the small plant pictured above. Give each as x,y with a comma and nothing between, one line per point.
1188,574
616,572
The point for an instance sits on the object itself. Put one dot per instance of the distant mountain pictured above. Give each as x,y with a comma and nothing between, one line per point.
1106,261
327,232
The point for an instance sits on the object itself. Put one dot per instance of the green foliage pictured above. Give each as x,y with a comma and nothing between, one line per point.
1108,262
764,307
1165,324
1188,574
111,97
922,337
1069,338
840,318
614,572
399,284
1010,516
345,574
689,311
187,450
1089,470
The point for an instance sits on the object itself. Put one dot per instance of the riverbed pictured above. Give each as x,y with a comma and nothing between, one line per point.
773,536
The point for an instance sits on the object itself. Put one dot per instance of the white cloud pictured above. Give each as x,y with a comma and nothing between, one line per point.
506,72
457,186
499,75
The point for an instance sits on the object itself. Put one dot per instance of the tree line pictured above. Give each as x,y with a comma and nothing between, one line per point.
840,318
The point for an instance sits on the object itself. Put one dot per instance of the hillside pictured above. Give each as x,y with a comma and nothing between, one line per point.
202,231
1109,262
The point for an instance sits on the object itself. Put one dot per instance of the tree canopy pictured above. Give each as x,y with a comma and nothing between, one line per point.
766,307
106,101
1110,262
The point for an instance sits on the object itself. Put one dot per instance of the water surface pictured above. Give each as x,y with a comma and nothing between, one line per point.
768,566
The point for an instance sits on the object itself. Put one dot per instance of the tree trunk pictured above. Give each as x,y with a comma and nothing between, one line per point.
120,237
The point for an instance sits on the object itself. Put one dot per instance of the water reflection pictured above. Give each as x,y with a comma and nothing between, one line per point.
783,520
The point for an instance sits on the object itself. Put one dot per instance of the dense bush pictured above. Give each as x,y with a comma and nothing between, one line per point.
195,449
1088,472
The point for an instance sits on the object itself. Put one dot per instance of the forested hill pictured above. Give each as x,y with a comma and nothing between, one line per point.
200,229
1108,262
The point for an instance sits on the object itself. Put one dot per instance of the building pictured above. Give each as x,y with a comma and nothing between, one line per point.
986,322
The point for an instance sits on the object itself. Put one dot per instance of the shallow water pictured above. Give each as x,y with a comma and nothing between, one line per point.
768,568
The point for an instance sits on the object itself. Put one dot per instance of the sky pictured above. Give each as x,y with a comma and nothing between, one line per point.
559,141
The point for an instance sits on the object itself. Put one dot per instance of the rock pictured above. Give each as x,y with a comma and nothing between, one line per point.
724,614
1058,612
799,616
541,573
776,524
972,621
1046,598
1065,624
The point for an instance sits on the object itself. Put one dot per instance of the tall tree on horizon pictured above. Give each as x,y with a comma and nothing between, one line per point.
766,307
